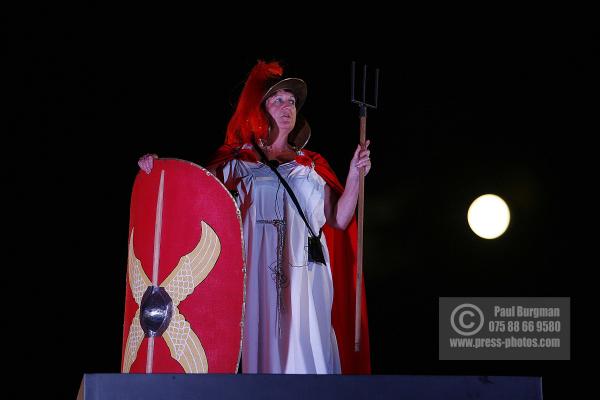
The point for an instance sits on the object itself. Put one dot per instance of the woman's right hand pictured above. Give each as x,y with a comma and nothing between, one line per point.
146,162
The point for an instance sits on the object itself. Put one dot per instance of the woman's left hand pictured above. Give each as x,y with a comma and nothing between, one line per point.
361,159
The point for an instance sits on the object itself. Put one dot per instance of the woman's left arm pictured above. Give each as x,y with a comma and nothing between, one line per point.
340,210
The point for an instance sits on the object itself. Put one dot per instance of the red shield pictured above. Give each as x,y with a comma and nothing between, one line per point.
185,240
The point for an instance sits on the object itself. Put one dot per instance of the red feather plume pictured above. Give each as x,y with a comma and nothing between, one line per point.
248,120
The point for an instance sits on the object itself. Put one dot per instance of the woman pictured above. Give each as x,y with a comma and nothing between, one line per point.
292,207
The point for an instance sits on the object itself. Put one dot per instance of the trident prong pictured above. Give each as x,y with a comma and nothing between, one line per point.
363,105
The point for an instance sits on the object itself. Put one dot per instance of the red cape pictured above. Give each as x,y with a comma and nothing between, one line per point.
342,254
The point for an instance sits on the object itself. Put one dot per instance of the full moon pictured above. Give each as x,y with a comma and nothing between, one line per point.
488,216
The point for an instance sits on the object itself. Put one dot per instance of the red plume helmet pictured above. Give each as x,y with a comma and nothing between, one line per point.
249,121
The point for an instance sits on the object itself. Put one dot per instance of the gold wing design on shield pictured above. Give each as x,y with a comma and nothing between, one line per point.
134,339
138,282
184,345
190,271
193,267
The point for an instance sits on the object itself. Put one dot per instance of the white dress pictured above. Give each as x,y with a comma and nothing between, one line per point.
287,327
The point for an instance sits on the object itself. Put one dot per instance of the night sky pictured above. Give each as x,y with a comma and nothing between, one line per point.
461,113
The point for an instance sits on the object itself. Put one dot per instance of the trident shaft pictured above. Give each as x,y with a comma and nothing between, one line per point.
363,105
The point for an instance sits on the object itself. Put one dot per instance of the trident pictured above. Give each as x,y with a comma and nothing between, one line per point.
363,105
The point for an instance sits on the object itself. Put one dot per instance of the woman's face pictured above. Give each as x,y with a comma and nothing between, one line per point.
282,108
